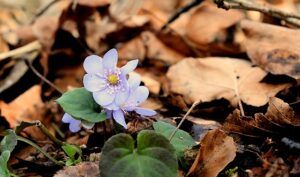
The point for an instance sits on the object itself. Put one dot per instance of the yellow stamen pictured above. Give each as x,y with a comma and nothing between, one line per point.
113,79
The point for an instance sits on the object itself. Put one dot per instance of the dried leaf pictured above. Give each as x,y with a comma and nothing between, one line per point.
208,28
216,152
86,169
94,3
279,121
23,108
278,50
148,45
207,79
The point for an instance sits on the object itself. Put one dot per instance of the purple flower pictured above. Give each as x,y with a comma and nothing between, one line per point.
74,124
105,80
137,95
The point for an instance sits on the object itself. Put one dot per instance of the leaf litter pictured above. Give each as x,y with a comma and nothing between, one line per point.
244,73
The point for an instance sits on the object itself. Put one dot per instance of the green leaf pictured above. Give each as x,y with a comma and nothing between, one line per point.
7,145
154,156
181,140
4,172
9,141
81,105
71,151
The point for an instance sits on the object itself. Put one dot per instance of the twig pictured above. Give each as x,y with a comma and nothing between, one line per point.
29,64
19,138
43,10
181,11
74,4
237,93
184,117
250,5
35,45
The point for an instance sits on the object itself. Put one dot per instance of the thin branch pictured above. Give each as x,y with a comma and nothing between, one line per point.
184,117
43,10
291,18
35,71
35,45
181,11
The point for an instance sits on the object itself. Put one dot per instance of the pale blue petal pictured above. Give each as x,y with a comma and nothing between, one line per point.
110,59
108,114
139,95
130,66
93,83
119,118
121,97
134,80
67,118
87,125
103,98
74,125
93,64
144,111
112,106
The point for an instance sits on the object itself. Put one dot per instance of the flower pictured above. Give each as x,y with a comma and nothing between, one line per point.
74,124
105,80
137,95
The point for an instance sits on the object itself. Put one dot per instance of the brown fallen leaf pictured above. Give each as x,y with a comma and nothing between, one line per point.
148,45
84,169
94,3
279,121
217,150
122,10
278,50
207,79
208,27
26,107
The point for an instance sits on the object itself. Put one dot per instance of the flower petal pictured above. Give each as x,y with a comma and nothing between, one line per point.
121,97
103,98
87,125
110,59
119,118
130,66
67,118
75,125
134,80
93,64
139,95
93,83
144,111
108,114
112,106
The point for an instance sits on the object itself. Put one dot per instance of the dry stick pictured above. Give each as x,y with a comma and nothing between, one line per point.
246,5
237,93
42,77
184,117
35,45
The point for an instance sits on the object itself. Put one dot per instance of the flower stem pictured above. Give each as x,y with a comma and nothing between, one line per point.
19,138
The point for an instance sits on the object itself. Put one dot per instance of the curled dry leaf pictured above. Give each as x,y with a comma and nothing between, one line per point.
217,150
84,169
207,79
278,50
279,121
209,25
